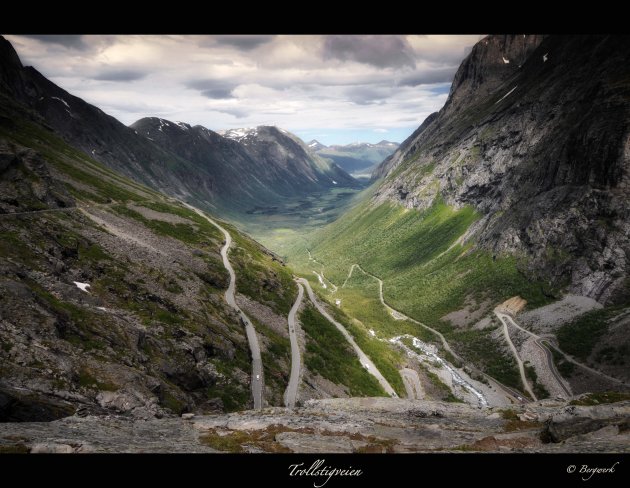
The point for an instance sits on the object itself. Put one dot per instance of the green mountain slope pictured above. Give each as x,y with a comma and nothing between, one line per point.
427,273
112,293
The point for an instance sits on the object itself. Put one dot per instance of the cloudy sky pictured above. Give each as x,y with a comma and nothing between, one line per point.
334,88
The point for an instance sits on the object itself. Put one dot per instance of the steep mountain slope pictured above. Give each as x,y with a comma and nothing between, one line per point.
517,187
248,169
315,145
190,163
288,156
540,151
112,294
358,157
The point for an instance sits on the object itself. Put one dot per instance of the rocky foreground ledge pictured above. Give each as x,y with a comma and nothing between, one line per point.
341,425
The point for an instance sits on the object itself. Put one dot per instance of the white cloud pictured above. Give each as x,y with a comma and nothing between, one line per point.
306,84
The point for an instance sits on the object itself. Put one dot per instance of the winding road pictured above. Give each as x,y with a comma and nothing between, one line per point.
290,394
366,362
252,338
519,362
511,320
552,368
397,315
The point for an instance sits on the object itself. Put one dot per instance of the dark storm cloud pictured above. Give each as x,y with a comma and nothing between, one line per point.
366,95
120,75
379,51
441,75
214,89
243,42
236,112
68,41
217,93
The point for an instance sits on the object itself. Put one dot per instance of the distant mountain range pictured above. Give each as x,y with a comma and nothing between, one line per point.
243,168
229,174
358,158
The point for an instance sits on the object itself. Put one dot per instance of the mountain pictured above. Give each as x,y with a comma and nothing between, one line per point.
315,145
245,169
192,163
514,195
358,157
113,296
538,152
122,308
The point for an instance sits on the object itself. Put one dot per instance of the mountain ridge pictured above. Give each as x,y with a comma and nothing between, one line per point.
168,166
480,151
356,157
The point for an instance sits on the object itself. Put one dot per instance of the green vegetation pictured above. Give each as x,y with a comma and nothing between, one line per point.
385,358
14,449
615,355
328,354
234,396
277,228
564,367
426,275
107,184
603,397
478,347
445,392
88,380
514,423
539,390
579,337
276,360
170,401
183,232
360,300
260,275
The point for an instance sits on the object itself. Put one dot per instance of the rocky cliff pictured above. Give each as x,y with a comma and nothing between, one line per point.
534,136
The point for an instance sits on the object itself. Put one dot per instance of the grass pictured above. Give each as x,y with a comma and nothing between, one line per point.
600,398
514,423
88,380
328,354
444,391
276,360
124,285
478,347
539,390
385,358
237,441
426,274
564,367
170,401
579,337
74,163
14,449
260,275
180,231
408,250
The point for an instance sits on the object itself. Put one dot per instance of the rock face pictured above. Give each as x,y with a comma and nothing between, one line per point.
340,426
191,163
26,183
540,147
